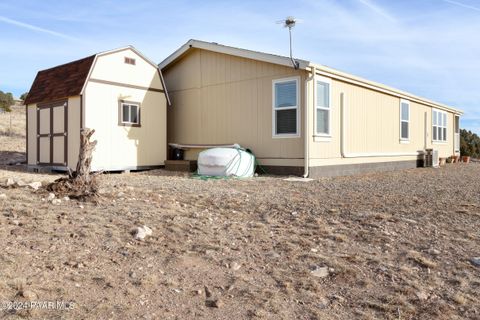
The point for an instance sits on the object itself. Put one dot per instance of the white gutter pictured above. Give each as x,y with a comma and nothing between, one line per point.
306,132
343,151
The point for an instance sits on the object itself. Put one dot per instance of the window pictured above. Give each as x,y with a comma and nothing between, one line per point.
129,61
439,126
285,107
404,120
322,107
129,114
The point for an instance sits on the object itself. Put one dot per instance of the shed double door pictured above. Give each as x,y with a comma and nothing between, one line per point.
52,128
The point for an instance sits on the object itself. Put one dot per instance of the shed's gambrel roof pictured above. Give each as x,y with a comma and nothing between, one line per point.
60,82
303,64
69,79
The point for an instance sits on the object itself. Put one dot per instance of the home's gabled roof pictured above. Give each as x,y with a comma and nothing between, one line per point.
60,82
303,64
69,79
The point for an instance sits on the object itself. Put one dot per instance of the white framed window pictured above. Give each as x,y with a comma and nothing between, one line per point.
323,117
404,120
439,126
285,116
129,114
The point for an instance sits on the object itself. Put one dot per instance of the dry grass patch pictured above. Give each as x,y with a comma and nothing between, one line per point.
421,260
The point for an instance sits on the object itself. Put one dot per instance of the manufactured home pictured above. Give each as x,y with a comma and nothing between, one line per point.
119,93
312,120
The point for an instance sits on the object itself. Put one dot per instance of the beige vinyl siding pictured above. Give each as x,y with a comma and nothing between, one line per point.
372,125
218,99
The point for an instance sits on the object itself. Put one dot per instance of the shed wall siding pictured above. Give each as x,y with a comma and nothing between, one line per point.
112,67
73,135
32,134
73,131
218,99
121,147
125,147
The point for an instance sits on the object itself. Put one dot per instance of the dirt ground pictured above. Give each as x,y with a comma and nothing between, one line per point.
12,136
394,245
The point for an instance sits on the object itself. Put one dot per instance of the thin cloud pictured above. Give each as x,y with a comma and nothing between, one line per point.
34,28
463,5
377,10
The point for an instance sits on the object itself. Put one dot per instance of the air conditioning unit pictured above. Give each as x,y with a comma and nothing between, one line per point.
431,158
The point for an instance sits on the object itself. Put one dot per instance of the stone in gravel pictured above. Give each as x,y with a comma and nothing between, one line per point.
142,232
214,303
35,185
3,196
294,213
475,261
10,182
66,199
320,272
421,295
28,294
208,293
56,201
51,196
21,183
434,252
235,266
323,302
333,210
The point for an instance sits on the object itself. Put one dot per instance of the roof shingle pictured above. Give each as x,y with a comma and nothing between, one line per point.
60,82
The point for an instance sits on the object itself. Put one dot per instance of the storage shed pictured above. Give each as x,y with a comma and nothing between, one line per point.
119,93
312,120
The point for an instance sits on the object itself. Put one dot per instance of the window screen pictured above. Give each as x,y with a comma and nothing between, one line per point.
404,120
439,125
285,107
323,108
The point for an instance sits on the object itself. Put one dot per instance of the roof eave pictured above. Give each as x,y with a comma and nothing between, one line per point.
336,74
248,54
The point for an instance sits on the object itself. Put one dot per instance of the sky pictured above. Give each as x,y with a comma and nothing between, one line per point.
430,48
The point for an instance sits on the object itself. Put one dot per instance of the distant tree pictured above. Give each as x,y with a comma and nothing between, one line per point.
6,101
23,96
469,144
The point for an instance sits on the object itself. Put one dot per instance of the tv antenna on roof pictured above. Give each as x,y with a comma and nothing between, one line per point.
289,23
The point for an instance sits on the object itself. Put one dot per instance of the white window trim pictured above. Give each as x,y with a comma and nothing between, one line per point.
404,140
297,107
129,112
445,140
320,136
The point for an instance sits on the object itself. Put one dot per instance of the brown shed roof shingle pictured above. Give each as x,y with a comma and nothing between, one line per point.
60,82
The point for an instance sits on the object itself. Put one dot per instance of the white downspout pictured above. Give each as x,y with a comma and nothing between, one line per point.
343,151
306,132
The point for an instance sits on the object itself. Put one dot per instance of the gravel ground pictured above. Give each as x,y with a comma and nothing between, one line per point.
393,245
